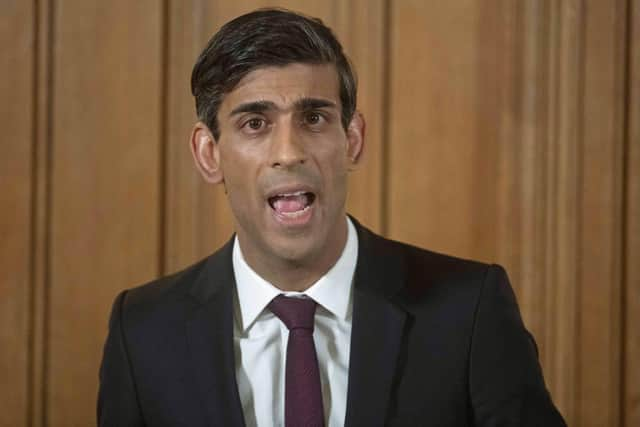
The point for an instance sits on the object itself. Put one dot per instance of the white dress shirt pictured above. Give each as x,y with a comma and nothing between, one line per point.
260,338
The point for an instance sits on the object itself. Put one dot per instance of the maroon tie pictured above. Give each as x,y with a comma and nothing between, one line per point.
303,395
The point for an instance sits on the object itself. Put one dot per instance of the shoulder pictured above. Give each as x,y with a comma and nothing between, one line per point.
421,262
437,266
426,274
169,287
155,299
175,295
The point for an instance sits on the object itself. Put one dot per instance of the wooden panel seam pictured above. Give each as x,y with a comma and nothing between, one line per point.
43,116
163,134
630,370
385,117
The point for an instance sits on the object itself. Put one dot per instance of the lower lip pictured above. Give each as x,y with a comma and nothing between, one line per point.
300,219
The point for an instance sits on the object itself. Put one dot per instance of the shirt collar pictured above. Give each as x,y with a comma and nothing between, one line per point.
332,291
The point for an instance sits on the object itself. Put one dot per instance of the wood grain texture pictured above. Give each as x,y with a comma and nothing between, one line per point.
41,214
631,367
198,217
360,27
510,150
105,184
492,176
507,132
17,33
520,42
561,175
432,171
600,213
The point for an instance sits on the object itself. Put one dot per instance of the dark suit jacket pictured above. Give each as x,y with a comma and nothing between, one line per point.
436,341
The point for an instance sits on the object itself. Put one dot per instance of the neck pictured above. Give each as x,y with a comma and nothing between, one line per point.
296,274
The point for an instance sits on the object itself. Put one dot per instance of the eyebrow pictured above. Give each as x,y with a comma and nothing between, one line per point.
306,104
303,104
253,107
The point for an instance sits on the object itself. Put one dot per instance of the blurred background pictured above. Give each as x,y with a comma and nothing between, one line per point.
502,130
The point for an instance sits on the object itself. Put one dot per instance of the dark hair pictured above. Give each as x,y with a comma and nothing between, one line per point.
266,37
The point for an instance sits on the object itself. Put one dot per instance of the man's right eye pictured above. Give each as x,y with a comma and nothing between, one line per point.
254,124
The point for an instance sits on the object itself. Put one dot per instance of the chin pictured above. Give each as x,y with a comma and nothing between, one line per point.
294,250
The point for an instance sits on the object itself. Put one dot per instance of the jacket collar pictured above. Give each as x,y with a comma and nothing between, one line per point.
210,340
377,330
216,275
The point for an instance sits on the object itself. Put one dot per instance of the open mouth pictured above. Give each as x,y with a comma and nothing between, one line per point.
292,205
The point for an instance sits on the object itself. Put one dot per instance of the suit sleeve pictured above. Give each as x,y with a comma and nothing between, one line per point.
505,379
117,398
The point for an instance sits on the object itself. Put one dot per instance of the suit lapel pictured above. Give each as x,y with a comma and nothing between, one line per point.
375,339
210,340
376,331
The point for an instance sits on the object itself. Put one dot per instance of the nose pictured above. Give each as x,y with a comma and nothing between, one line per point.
287,150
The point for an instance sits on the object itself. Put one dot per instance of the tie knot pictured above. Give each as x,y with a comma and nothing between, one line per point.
295,313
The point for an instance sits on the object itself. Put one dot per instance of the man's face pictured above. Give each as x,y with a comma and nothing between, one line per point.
284,157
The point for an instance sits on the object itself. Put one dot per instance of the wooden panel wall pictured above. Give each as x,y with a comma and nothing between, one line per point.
630,368
16,164
105,154
528,172
507,131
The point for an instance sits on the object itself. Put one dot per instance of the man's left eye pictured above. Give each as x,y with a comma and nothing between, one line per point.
312,118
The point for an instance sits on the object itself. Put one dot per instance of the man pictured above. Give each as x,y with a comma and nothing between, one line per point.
306,318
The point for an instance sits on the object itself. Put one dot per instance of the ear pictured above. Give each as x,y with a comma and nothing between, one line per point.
206,153
355,138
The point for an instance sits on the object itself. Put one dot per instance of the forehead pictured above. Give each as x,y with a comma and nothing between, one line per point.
285,85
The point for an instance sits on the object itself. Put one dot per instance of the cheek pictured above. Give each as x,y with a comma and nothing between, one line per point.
336,160
332,151
335,172
237,167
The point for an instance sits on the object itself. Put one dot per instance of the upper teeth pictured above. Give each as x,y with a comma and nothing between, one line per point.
297,193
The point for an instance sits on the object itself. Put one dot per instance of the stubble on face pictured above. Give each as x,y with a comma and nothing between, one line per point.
285,159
